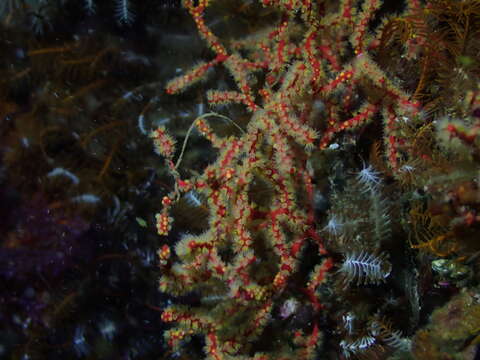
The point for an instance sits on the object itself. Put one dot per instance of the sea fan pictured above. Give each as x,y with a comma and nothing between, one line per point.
365,268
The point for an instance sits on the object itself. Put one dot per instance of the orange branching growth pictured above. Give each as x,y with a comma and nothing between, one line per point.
273,150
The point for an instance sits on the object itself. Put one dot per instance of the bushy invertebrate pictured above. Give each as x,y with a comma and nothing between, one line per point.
382,329
365,268
368,178
90,6
348,322
359,345
334,226
124,13
80,344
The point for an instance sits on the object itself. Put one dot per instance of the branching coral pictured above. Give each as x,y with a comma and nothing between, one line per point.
311,84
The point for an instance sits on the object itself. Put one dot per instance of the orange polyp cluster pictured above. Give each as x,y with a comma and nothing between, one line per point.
164,224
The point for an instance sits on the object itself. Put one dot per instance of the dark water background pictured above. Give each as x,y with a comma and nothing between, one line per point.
79,181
